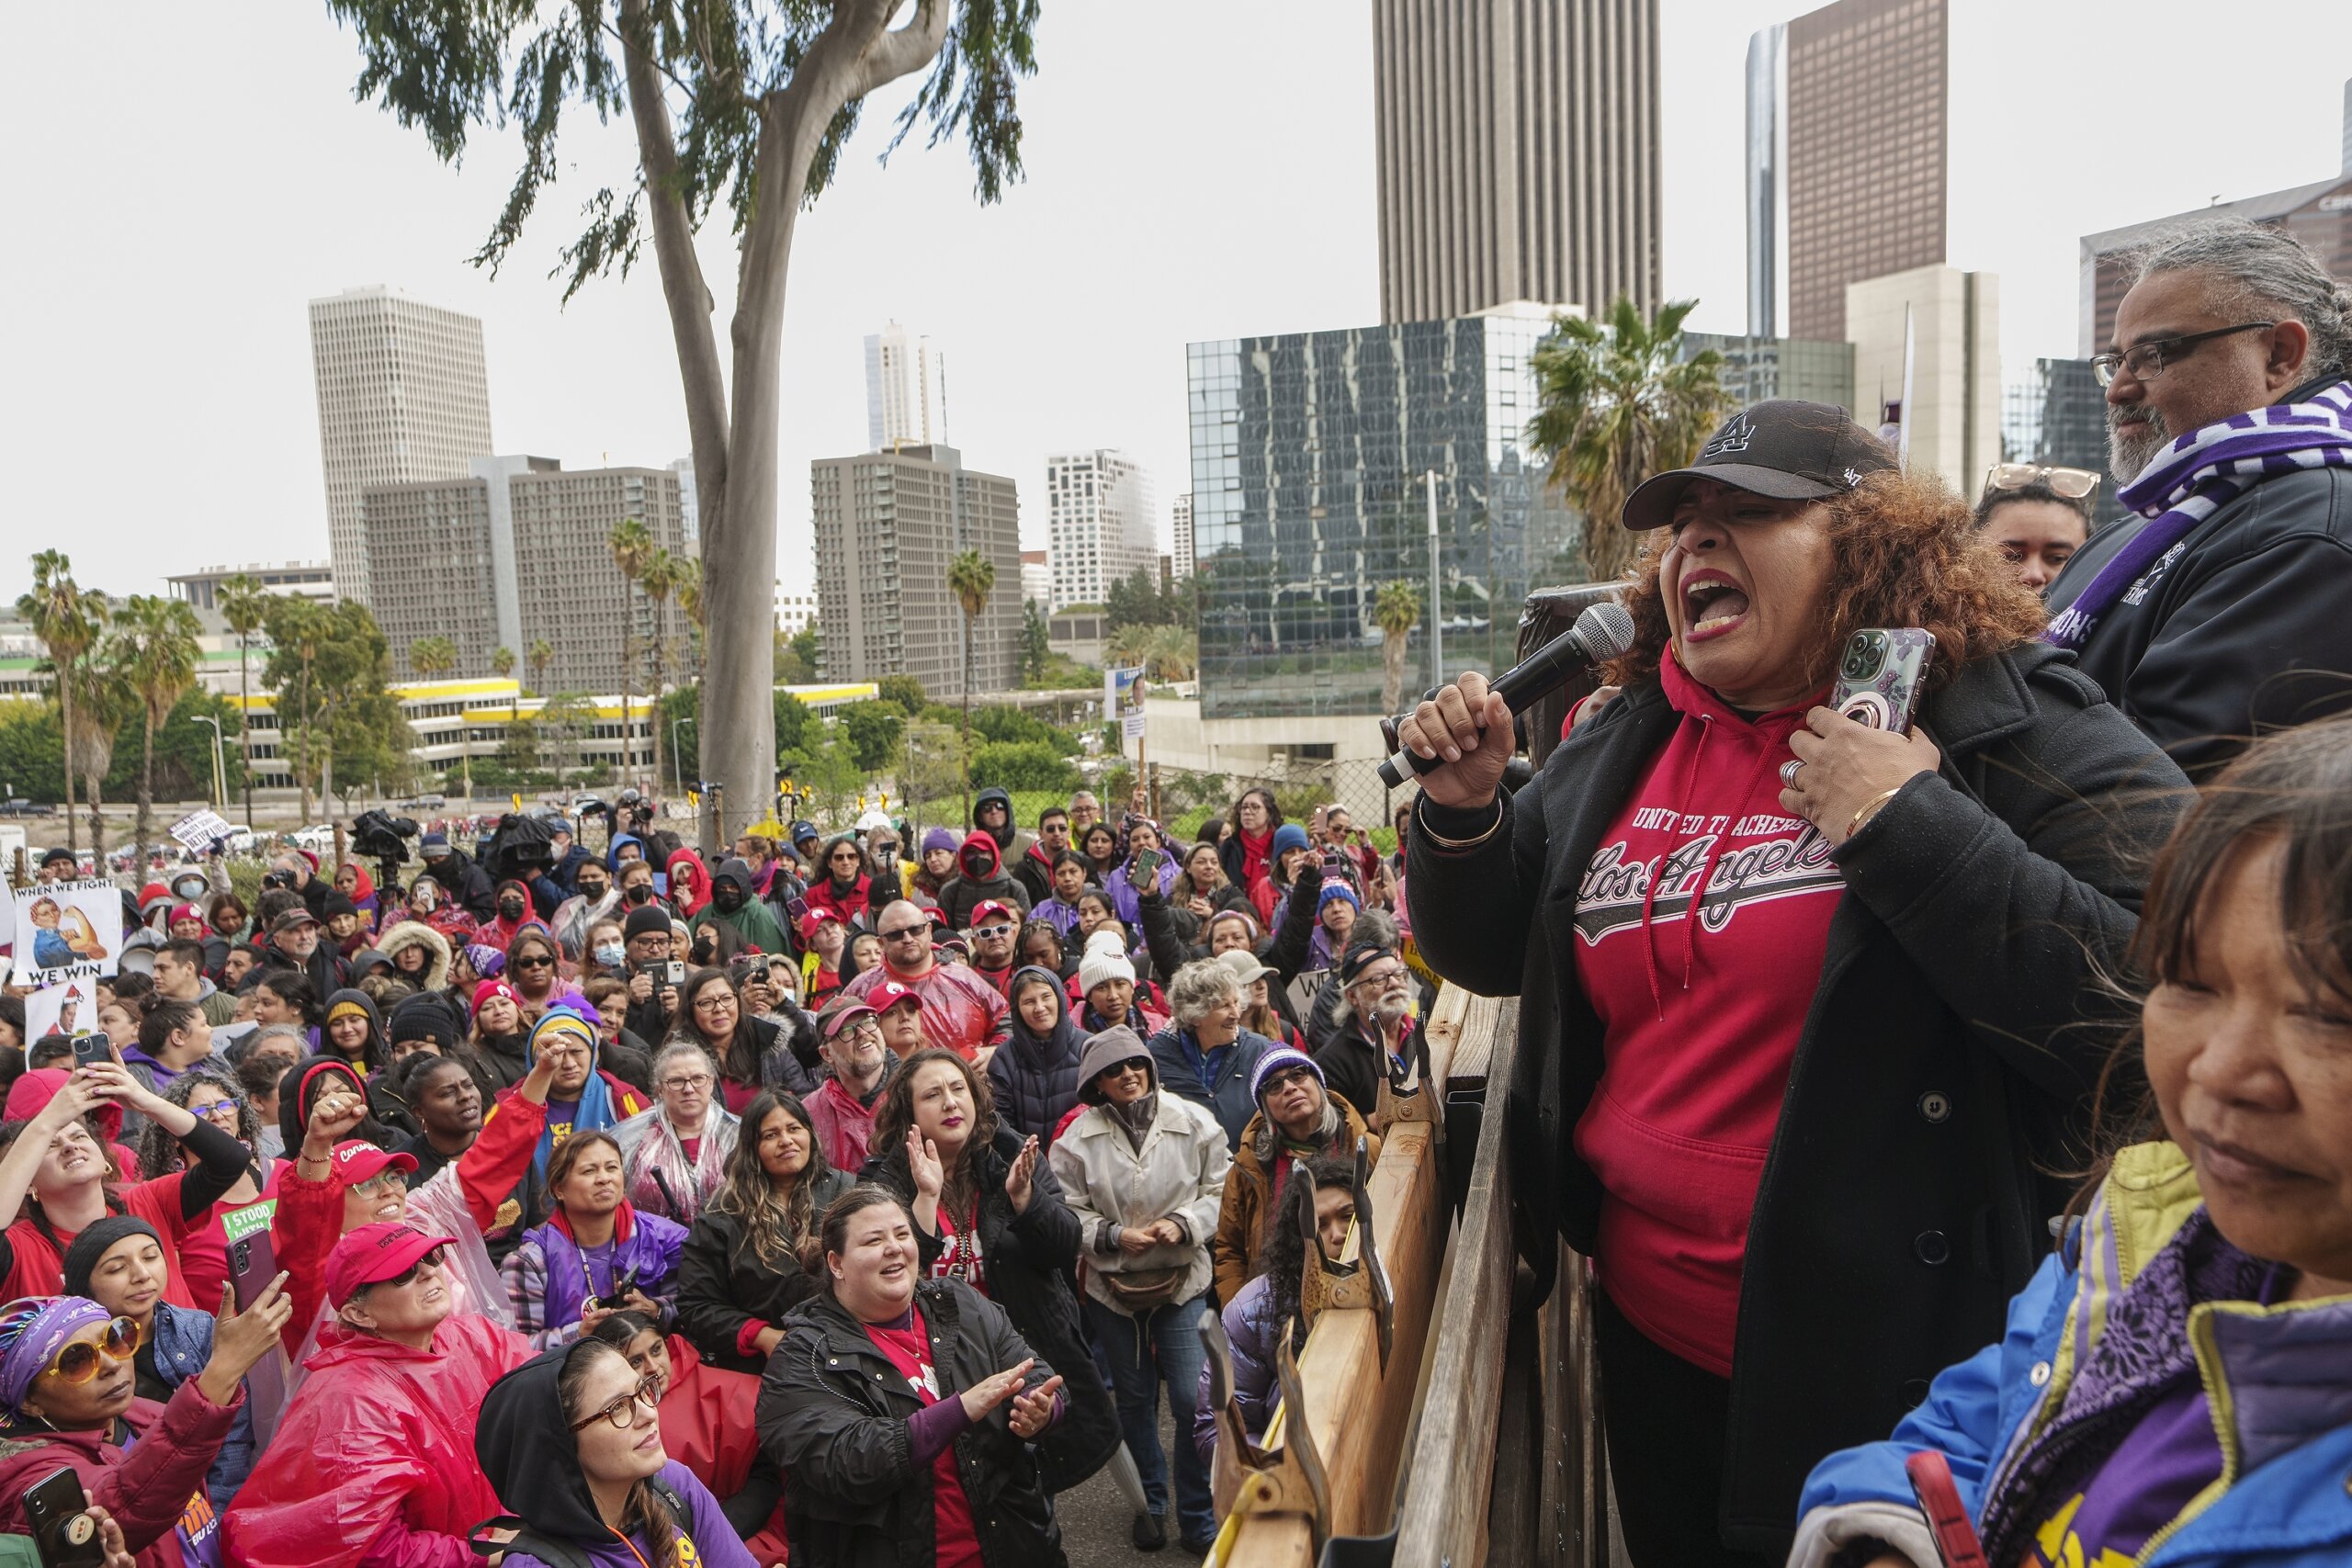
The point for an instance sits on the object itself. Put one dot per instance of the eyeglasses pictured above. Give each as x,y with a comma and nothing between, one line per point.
861,1030
698,1084
535,961
622,1411
991,933
1382,978
2146,361
381,1184
77,1362
2072,483
219,1110
715,1001
1287,1076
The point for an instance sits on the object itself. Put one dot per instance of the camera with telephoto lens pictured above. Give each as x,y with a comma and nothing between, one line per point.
380,835
1865,657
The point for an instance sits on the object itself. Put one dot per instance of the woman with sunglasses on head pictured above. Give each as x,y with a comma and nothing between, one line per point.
742,1275
57,1176
752,1054
373,1460
709,1420
119,1263
2038,516
574,1441
70,1399
211,1099
907,1413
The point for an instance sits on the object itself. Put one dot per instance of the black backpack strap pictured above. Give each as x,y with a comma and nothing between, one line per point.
557,1553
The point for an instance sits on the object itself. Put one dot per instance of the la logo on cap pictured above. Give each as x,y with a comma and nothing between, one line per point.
1732,437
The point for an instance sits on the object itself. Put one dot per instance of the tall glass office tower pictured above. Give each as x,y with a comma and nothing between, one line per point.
1309,456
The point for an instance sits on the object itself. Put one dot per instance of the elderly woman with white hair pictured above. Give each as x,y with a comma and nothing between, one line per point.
1204,1055
674,1156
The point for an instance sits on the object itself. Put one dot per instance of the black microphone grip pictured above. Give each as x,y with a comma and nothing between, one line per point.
1544,670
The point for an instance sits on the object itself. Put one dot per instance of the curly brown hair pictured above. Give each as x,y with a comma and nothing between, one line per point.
895,1114
1904,552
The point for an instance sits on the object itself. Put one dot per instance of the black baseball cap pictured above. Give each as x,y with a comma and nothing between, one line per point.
1783,448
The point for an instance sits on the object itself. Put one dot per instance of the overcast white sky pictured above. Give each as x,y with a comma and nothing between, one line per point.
1193,172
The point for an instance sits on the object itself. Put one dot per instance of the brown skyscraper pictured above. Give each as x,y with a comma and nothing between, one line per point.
1518,153
1867,127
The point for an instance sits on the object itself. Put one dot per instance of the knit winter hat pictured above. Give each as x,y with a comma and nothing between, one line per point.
425,1017
1098,966
1289,836
490,988
489,962
646,921
92,1244
1281,1059
938,839
1336,888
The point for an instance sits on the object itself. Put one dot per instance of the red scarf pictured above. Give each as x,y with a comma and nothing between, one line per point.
1257,850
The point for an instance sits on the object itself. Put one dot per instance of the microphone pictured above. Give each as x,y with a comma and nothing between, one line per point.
1604,631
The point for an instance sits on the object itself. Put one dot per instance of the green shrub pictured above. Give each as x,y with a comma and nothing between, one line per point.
1022,766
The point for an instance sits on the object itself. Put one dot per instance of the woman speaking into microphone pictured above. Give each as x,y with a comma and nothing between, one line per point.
1807,1008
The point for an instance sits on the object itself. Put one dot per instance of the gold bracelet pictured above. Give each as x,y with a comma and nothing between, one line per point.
1869,808
1441,841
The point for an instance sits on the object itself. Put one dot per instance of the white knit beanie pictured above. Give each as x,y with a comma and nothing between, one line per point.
1099,965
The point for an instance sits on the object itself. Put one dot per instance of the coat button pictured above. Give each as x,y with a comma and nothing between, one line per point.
2040,1375
1933,1250
1935,1105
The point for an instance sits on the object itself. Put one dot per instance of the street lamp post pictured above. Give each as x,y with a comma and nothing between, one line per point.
220,793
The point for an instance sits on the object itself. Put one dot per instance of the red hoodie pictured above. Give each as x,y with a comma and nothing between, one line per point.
1700,1021
687,903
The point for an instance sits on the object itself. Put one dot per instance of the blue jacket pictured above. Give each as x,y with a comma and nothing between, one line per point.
2279,1380
1176,1057
183,1344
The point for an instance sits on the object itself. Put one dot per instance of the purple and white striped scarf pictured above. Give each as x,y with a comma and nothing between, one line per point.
2196,476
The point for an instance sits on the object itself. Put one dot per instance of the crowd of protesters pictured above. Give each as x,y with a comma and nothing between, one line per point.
1976,1088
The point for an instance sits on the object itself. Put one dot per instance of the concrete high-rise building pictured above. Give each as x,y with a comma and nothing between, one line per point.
2319,214
906,391
2057,415
1181,534
1100,524
689,500
1954,411
1768,179
311,580
403,395
1861,133
1518,152
1756,370
1036,580
518,553
888,525
1308,452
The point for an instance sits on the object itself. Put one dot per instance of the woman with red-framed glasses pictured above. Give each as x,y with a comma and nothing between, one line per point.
69,1399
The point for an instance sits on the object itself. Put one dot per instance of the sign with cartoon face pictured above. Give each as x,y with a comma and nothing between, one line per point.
70,1009
67,931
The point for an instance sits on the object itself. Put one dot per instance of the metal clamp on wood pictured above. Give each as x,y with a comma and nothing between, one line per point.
1406,1095
1247,1479
1356,1278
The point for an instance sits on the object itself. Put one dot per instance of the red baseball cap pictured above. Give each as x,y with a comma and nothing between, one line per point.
890,994
993,907
813,918
375,1253
356,1160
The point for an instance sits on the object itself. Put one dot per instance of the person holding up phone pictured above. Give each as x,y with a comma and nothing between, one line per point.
1803,998
68,1398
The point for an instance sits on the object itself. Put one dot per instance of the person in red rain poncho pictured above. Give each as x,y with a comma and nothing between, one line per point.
689,883
374,1459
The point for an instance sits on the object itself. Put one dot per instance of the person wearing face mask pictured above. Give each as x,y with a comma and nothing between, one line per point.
595,897
605,954
980,878
1033,1077
373,1460
118,1264
732,905
908,1415
513,904
635,879
858,1066
741,1275
1894,948
574,1439
70,1399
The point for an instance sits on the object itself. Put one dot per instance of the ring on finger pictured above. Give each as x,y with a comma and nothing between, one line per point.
1789,772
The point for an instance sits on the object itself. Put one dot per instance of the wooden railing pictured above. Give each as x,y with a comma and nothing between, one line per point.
1475,1441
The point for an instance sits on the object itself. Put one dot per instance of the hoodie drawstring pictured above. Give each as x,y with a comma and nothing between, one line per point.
1649,898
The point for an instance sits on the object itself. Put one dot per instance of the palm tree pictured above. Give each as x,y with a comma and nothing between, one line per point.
663,574
102,701
1396,610
243,606
1165,653
68,621
1616,404
153,646
501,658
540,656
632,547
971,578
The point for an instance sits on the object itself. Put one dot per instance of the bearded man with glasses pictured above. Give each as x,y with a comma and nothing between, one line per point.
961,1011
2218,609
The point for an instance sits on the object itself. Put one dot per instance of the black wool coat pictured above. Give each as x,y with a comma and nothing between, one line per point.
1944,1067
722,1283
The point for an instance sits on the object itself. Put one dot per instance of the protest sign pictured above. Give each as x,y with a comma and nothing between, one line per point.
67,931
